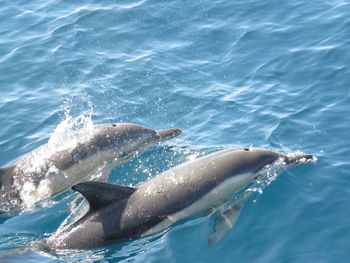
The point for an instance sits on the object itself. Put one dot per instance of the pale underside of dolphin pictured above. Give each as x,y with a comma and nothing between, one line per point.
44,172
120,213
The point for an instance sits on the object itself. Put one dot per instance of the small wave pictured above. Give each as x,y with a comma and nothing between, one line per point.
130,4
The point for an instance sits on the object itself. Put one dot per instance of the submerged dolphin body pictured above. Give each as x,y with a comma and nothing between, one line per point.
44,172
119,213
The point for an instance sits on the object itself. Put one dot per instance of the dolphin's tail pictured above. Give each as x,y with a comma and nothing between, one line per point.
297,159
163,135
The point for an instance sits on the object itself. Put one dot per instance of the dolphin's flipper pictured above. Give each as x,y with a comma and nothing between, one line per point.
100,195
6,176
227,220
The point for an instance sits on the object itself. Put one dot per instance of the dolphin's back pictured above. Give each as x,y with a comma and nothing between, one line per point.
181,186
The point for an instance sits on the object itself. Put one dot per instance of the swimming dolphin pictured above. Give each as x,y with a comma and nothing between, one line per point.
119,213
44,172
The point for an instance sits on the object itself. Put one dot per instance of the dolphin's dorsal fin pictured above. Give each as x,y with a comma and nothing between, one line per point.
6,176
101,195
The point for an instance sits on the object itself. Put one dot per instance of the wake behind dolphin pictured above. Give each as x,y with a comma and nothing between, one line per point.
119,213
46,171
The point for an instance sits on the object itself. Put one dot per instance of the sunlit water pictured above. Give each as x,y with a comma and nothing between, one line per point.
252,73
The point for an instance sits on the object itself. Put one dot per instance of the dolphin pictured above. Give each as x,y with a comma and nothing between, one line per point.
44,171
120,213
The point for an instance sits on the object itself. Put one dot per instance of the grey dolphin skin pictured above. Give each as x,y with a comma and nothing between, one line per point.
44,172
120,213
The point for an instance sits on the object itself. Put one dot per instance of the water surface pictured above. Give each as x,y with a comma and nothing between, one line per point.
262,73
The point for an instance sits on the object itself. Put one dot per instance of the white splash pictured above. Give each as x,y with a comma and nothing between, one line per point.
70,132
30,194
271,172
303,160
67,134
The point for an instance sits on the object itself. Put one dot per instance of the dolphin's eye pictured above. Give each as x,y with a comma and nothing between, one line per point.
246,149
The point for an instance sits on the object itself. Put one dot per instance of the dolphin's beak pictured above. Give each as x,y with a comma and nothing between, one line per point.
298,159
163,135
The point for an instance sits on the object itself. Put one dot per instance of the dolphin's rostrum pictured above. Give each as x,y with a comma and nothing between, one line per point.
119,213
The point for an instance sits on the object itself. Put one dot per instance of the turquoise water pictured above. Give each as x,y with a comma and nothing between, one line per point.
268,73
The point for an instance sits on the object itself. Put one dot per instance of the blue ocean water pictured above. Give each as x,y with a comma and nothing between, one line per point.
272,74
